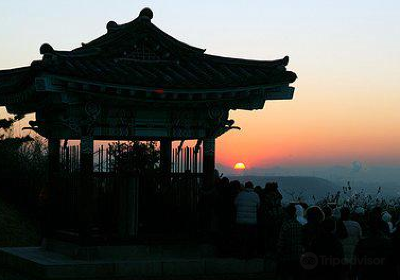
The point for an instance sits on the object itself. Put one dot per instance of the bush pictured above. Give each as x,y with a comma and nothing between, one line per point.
23,168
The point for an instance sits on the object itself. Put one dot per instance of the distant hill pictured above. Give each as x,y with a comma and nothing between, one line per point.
297,185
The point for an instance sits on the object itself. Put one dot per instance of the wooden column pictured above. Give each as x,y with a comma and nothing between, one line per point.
165,156
54,156
51,197
209,161
86,161
165,162
86,193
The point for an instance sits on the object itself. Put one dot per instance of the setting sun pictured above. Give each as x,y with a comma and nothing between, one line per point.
239,166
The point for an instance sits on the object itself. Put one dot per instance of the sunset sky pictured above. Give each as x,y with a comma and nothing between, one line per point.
346,55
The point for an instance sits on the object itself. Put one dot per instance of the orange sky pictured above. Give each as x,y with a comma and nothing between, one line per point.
326,123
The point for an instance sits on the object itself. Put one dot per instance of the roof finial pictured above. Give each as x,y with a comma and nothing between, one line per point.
46,48
111,25
146,13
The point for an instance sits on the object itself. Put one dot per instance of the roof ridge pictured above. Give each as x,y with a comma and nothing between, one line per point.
138,28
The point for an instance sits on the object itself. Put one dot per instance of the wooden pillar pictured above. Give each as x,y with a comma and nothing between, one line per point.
165,162
86,193
165,156
54,156
50,196
86,161
209,161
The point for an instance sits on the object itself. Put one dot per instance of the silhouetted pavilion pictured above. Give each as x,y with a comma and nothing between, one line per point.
138,83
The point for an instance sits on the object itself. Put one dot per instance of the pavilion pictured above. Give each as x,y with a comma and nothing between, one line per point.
137,83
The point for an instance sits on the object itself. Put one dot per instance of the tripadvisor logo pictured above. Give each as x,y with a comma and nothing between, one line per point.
310,261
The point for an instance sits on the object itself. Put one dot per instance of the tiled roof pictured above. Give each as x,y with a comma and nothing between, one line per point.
203,73
138,53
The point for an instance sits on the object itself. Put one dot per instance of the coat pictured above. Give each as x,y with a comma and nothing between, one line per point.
247,203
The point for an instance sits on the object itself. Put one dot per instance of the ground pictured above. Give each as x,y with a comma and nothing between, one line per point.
7,275
16,229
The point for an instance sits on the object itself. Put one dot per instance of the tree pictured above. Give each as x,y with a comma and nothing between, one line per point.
22,164
135,156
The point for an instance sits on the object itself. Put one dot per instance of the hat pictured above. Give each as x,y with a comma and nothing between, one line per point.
359,210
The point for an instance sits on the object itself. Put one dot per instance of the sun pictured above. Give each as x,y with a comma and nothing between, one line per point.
239,166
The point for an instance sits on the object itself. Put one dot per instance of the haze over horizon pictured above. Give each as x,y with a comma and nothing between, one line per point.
346,55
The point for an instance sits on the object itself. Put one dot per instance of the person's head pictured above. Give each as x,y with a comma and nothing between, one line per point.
359,211
327,211
314,215
248,185
375,214
336,213
291,211
304,205
235,186
345,214
375,222
271,187
225,181
258,189
271,190
217,177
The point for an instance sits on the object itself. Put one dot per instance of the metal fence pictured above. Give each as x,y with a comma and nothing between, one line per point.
187,159
183,159
128,204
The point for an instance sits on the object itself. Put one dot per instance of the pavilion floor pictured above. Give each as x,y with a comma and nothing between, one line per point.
38,263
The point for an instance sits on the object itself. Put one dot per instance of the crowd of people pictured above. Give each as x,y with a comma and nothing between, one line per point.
309,242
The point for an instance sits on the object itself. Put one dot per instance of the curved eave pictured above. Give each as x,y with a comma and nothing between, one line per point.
200,72
282,62
15,85
178,97
12,77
